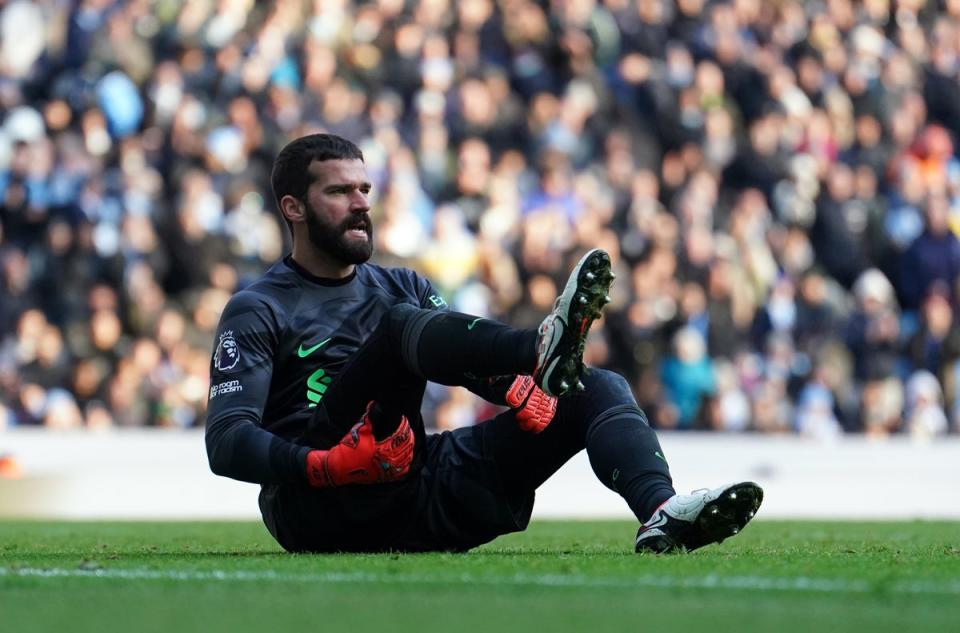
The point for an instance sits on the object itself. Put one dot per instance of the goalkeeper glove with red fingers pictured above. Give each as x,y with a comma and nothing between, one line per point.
360,459
532,408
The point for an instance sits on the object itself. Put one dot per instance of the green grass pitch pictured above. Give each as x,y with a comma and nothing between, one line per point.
557,576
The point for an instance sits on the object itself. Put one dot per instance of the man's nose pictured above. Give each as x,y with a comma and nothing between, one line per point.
359,201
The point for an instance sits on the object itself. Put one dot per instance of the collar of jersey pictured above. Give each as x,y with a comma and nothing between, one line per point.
323,281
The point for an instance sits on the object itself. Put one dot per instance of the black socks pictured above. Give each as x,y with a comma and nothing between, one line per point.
446,347
627,458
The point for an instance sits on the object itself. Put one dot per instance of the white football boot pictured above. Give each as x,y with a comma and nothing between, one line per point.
688,522
563,333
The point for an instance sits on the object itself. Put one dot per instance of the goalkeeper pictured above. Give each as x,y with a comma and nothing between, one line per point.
320,367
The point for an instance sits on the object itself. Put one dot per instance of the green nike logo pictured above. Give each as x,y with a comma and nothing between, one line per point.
657,453
470,327
303,353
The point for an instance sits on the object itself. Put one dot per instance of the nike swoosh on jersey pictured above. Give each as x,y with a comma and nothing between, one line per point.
303,353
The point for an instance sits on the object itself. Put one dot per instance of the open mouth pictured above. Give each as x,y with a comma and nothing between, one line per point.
359,229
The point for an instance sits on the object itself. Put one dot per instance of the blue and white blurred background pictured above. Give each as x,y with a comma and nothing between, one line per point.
777,182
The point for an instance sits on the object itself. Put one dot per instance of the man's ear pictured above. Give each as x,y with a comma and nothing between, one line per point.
292,209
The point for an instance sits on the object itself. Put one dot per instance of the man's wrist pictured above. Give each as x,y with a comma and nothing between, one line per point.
317,469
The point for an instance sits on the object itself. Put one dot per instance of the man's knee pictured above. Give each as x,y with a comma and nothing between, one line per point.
607,394
396,318
610,399
607,386
403,324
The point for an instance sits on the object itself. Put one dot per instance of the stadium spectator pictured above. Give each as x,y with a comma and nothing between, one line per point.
934,256
688,377
925,416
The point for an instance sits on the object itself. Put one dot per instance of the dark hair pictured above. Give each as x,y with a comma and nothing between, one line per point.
290,176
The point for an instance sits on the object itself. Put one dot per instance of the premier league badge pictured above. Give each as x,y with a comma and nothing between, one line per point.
228,353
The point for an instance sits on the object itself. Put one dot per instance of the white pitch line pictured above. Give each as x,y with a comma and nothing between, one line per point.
712,581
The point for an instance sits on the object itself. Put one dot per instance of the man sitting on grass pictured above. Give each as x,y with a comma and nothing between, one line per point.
320,368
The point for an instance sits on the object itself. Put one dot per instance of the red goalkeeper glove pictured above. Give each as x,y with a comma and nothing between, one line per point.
360,459
533,408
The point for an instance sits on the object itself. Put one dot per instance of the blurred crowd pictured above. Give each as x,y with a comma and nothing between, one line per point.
776,181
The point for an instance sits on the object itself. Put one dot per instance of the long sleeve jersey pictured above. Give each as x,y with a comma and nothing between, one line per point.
279,344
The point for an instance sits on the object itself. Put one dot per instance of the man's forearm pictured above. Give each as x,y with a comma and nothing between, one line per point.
238,448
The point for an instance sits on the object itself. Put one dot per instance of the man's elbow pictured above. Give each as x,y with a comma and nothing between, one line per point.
218,455
218,466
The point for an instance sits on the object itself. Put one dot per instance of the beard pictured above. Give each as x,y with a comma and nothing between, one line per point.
332,239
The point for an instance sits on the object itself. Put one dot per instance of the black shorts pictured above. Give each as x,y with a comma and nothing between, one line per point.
456,501
475,484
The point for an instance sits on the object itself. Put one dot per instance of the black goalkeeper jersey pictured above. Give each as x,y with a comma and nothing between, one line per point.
280,343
